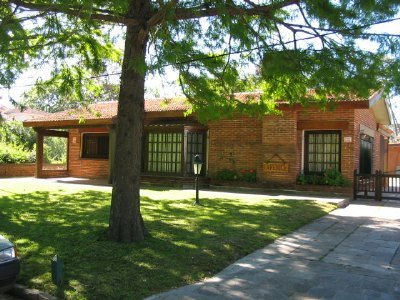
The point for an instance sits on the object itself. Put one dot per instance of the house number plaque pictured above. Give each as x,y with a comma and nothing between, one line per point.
276,167
276,164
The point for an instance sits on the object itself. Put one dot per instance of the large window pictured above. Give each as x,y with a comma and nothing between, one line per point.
163,152
95,145
322,151
170,151
195,145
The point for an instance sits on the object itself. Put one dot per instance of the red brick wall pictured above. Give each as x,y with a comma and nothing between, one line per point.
53,173
366,117
279,145
234,144
320,118
246,143
394,158
84,167
15,170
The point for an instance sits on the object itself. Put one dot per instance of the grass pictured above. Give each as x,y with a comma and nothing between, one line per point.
188,243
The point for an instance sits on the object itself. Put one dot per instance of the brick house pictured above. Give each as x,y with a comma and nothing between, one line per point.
394,158
307,140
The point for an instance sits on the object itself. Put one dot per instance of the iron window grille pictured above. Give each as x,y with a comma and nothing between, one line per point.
95,145
322,151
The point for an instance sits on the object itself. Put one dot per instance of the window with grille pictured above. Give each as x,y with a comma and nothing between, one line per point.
322,151
164,152
95,145
195,145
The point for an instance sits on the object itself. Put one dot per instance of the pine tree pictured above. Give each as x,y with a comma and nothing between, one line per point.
295,45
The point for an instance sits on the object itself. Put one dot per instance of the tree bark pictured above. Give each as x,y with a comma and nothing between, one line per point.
126,222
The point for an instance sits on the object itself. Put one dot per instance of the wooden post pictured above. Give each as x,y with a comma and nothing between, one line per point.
184,156
39,153
68,145
378,185
355,184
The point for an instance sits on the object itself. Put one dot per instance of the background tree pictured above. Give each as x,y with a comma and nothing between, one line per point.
296,44
48,97
12,132
18,145
55,150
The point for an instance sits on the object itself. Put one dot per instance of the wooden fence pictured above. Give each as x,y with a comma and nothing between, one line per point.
376,186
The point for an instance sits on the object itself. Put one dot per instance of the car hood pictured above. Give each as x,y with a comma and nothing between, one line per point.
4,243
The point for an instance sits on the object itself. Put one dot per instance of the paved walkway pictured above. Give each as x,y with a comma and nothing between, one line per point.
352,253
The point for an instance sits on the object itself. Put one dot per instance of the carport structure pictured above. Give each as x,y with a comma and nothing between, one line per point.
47,170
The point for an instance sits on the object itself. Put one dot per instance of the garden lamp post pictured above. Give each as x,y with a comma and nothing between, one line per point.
197,164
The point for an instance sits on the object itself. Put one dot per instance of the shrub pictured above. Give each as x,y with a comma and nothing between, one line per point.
226,174
310,179
330,177
249,175
16,134
335,178
14,138
13,154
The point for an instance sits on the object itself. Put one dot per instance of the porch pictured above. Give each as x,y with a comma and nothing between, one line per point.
168,152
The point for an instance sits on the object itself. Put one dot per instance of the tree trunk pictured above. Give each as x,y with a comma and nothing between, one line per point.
126,222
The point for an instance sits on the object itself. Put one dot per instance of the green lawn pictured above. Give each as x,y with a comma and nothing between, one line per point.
188,243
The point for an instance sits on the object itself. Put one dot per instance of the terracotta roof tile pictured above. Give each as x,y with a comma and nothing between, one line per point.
166,104
16,114
108,110
101,110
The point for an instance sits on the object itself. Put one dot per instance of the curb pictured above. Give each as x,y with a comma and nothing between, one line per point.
273,190
344,203
341,204
30,294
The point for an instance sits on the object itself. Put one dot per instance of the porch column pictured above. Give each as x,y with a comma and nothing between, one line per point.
39,153
111,153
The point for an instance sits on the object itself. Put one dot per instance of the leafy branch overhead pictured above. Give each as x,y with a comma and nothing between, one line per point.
294,45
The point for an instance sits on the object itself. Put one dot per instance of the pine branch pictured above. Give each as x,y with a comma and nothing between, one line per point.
251,3
233,10
77,11
157,17
322,38
344,31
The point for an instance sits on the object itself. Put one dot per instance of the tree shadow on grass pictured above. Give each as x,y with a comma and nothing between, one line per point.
188,243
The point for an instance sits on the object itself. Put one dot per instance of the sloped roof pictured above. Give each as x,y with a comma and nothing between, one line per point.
106,112
380,108
16,114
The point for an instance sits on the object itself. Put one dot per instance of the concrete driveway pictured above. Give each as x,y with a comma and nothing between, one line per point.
352,253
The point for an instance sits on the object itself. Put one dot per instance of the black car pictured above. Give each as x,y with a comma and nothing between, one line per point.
9,264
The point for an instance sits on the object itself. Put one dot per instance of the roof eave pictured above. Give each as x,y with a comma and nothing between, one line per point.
359,104
97,122
378,105
68,123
